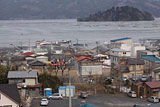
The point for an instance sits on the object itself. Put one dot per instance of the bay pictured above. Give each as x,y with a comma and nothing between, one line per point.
20,32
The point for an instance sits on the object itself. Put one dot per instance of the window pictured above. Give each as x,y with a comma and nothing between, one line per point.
133,67
124,52
7,106
139,66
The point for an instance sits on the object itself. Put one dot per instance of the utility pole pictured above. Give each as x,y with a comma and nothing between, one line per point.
135,68
70,100
69,77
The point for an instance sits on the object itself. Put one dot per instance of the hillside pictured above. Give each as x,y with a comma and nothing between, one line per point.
54,9
124,13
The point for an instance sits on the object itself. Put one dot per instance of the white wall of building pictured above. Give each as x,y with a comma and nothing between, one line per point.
42,59
6,101
30,81
135,48
91,70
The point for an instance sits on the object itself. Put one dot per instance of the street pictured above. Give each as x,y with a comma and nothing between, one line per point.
107,100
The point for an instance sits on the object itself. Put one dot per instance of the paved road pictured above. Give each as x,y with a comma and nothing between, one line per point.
107,100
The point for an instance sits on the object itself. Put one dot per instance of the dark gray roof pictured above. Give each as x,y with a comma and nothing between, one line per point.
11,91
37,63
22,74
134,61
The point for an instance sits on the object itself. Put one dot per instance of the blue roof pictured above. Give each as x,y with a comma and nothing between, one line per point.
151,58
62,87
115,40
70,86
88,105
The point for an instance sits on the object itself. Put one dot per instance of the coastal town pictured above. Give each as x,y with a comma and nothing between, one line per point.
120,73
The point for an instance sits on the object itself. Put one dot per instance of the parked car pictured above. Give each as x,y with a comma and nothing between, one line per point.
132,94
136,105
44,102
153,99
144,78
56,96
84,95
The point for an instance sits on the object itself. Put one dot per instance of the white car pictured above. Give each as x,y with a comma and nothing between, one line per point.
44,102
132,94
153,99
56,96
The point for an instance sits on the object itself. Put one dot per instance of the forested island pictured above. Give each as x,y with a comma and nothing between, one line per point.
124,13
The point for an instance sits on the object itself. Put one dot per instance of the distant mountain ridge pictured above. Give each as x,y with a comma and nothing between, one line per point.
54,9
124,13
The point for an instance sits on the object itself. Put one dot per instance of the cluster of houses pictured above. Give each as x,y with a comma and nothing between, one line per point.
132,61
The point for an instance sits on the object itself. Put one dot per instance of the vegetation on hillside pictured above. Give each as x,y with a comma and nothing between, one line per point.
124,13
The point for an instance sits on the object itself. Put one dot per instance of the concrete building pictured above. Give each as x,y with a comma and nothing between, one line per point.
117,43
117,54
90,68
135,48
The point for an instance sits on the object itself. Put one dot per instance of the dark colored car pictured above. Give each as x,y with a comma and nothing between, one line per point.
84,95
137,105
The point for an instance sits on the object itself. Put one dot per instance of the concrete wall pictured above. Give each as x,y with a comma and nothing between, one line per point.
91,70
6,101
30,81
135,48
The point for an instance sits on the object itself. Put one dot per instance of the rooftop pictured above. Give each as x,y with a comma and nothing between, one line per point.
151,58
11,91
156,70
119,50
22,74
133,61
153,84
115,40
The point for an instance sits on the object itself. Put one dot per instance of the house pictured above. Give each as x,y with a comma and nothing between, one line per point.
36,64
29,54
9,96
147,89
90,68
41,51
18,60
27,81
136,67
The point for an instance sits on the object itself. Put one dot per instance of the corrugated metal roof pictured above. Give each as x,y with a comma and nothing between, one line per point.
153,84
157,70
22,74
115,40
151,58
135,62
119,50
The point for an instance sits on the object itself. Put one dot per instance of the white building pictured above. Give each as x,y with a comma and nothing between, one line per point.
136,47
116,54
